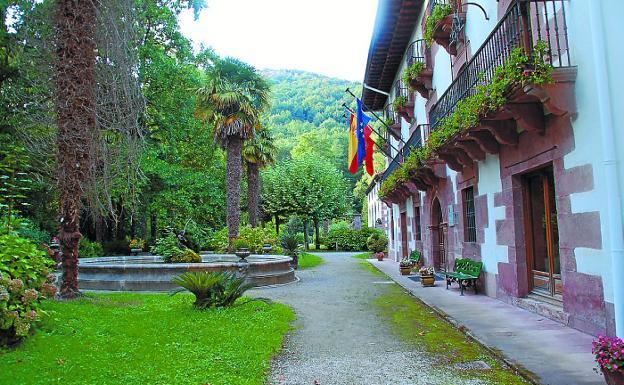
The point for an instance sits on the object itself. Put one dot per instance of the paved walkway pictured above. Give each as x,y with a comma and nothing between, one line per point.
555,354
340,338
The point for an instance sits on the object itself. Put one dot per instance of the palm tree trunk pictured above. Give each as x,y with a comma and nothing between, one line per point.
75,109
233,168
253,193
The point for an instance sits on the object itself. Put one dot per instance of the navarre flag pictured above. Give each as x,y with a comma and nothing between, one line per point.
368,159
362,122
352,157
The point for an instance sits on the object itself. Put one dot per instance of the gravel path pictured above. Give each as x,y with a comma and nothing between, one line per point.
339,338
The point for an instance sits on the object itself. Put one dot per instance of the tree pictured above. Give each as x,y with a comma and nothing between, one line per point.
232,98
309,187
258,153
75,105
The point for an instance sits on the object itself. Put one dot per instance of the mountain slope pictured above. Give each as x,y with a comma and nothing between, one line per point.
307,114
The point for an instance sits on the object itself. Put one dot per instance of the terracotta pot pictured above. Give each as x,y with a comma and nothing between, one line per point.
380,256
405,270
613,378
427,280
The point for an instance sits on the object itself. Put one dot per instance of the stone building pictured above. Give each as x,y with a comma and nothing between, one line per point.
533,190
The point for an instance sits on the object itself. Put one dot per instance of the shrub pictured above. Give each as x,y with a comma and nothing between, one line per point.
377,242
186,256
350,240
212,289
24,279
167,247
88,249
254,236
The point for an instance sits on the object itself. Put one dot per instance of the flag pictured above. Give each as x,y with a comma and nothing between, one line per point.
352,158
368,159
362,122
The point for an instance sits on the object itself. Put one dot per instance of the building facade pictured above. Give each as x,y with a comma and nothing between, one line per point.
534,189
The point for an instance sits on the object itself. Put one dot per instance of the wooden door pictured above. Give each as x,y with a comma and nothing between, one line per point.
404,239
438,236
542,235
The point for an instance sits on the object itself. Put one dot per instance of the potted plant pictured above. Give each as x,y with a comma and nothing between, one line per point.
291,246
427,276
241,247
136,245
609,355
405,266
377,243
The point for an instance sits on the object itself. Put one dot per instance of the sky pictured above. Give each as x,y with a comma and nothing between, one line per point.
330,37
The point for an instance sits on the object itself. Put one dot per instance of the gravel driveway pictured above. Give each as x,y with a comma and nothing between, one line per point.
339,338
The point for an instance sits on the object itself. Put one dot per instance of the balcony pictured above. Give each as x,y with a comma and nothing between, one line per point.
527,107
417,53
414,141
392,121
525,23
448,31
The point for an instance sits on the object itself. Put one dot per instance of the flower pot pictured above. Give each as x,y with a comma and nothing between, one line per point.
242,253
405,270
612,378
380,256
427,280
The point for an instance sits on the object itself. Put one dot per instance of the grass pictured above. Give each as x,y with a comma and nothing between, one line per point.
307,260
148,339
417,324
364,255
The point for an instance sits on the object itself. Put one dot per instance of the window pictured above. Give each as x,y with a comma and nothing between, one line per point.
470,228
417,234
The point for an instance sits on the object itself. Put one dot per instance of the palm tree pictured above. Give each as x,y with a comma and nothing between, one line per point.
75,102
232,98
258,153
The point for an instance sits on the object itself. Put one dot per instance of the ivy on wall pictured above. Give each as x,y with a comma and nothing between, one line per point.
519,70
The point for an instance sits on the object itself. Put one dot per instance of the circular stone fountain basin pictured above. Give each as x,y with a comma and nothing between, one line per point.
150,273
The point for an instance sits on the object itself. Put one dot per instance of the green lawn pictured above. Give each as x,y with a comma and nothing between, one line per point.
417,324
364,255
148,339
307,260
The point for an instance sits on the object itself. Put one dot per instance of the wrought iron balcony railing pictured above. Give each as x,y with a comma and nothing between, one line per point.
525,23
399,89
415,52
414,141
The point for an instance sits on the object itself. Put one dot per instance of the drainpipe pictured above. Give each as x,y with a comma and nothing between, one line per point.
614,204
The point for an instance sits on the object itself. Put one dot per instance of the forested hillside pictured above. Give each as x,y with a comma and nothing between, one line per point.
307,114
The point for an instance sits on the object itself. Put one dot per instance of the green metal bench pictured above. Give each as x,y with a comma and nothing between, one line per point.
465,273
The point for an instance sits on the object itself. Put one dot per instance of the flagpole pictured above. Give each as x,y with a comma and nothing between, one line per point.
372,112
376,132
392,159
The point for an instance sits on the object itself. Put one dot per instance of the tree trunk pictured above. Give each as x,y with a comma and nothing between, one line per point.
253,193
277,223
305,235
75,104
233,168
99,229
317,234
153,227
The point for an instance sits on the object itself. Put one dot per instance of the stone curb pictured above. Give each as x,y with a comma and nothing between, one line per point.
517,368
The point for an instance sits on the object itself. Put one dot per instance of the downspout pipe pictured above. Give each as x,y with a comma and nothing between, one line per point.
614,196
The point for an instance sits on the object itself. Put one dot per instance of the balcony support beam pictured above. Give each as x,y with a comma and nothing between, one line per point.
503,130
529,116
485,140
450,160
472,149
